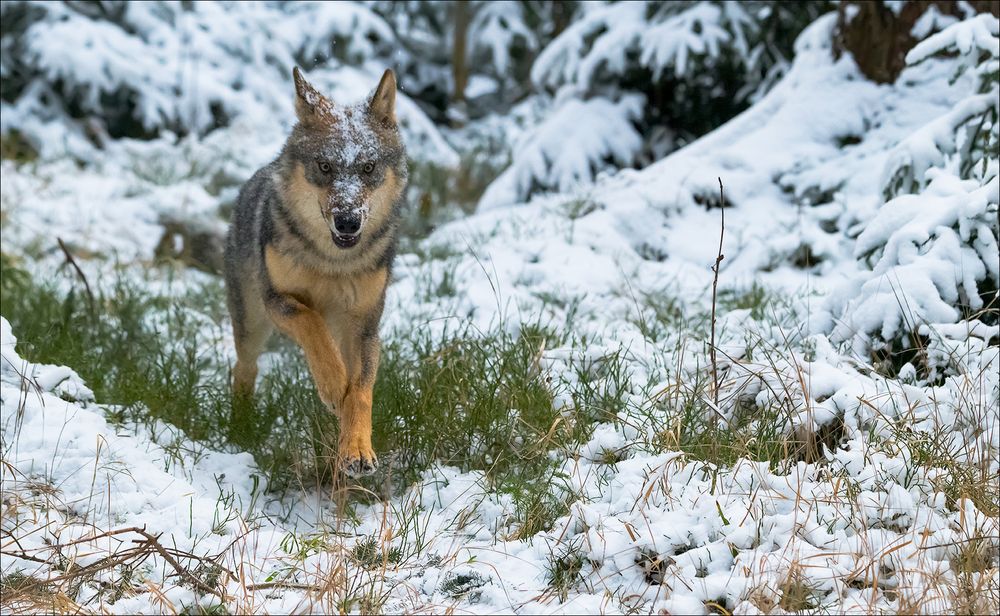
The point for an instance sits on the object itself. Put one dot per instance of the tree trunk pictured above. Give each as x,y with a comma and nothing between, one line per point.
879,37
562,14
461,16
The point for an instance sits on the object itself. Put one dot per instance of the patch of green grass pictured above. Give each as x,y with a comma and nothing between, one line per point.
475,400
657,315
756,299
466,398
602,387
484,401
125,357
660,313
370,553
932,449
565,570
16,147
538,500
683,418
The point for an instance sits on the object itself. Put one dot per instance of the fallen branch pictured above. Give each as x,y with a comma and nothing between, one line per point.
147,546
108,562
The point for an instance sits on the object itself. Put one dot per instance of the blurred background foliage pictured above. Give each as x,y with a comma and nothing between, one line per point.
502,99
669,71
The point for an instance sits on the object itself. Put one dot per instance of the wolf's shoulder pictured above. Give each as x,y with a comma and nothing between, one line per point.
259,188
254,197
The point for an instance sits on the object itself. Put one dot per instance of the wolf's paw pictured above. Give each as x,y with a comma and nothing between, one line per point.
359,464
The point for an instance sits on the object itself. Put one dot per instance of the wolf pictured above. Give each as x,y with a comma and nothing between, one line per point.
310,249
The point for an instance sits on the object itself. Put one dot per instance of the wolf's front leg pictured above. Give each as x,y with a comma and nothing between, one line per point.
308,329
357,456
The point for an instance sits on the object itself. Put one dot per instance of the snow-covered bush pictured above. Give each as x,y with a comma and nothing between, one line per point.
88,71
605,41
970,129
497,35
930,255
487,44
181,67
581,138
691,64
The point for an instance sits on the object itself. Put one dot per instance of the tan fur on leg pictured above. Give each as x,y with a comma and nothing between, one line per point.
306,327
357,456
360,346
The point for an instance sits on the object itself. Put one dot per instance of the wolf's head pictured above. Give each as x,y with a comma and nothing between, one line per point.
347,162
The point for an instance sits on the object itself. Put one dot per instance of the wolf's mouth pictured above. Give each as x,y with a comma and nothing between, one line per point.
345,241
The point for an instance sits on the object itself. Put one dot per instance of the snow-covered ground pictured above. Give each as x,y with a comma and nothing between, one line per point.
866,526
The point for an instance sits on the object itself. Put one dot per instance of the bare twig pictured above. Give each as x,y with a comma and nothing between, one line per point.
959,542
89,538
25,556
715,288
281,585
79,272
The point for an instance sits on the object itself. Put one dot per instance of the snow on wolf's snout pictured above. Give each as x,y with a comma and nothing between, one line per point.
347,160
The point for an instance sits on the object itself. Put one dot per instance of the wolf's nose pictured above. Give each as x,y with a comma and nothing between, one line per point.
347,224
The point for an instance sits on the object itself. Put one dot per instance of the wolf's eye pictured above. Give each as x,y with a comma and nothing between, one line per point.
325,167
369,167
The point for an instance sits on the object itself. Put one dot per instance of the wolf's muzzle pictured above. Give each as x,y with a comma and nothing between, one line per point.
347,228
347,224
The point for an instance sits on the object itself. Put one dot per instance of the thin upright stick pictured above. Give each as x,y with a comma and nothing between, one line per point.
715,288
79,272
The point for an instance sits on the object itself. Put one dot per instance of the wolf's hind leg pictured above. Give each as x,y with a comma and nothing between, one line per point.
251,329
251,334
247,351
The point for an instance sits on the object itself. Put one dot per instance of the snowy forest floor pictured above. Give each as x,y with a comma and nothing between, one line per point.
546,412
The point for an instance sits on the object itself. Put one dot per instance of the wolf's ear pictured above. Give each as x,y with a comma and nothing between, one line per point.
383,103
310,104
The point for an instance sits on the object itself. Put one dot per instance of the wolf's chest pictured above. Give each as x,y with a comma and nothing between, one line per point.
340,294
355,293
